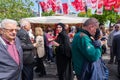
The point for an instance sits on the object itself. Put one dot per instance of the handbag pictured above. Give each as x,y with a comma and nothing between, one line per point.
94,71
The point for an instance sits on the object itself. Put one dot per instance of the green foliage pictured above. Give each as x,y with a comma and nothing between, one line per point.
82,14
85,14
15,9
110,15
101,18
48,13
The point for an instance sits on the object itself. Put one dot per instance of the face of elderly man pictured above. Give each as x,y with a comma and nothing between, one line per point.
92,24
28,26
117,27
25,24
10,30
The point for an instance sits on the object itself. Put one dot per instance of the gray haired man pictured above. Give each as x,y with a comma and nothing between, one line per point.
27,46
10,51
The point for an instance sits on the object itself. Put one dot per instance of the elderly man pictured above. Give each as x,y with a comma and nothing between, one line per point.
27,46
116,49
110,40
10,51
84,48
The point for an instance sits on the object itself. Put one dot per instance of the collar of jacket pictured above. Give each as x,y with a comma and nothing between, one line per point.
85,31
62,32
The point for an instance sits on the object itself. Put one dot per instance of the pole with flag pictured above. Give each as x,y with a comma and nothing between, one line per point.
69,4
39,10
59,2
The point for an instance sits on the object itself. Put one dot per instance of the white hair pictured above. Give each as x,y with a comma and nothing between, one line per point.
6,21
23,22
118,24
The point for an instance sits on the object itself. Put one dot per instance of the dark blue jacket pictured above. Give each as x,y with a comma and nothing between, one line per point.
9,69
116,46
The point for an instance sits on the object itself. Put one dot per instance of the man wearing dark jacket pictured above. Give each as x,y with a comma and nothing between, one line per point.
27,47
11,53
116,49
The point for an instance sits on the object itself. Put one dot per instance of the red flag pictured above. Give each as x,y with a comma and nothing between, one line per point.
93,1
94,4
44,6
109,4
53,5
65,8
99,7
51,2
78,5
100,4
108,7
117,6
74,5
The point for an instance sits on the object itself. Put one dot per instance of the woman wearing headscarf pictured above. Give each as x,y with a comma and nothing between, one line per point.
63,54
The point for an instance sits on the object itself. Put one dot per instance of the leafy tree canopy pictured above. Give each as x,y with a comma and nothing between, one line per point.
15,9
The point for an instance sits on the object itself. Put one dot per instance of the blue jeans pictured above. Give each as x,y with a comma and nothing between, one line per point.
50,53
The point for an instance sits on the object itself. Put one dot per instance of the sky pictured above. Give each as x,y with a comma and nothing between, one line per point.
35,7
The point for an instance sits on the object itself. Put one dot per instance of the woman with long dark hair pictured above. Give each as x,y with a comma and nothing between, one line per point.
63,54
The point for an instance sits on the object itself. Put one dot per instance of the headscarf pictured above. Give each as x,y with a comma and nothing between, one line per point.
62,25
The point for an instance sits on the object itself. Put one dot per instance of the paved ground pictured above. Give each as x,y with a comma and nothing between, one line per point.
51,70
51,73
112,69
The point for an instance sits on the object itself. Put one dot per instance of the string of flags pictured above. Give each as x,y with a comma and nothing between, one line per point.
80,5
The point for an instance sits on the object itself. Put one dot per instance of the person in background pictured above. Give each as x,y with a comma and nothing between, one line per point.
83,48
67,28
28,47
72,33
40,68
50,40
63,54
11,54
109,42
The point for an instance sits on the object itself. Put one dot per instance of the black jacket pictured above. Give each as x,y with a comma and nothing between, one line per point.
65,47
27,46
116,46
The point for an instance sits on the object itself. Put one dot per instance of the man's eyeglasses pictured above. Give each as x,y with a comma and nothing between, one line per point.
11,30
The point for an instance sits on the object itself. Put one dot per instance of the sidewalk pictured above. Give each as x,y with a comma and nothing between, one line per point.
51,70
112,67
51,73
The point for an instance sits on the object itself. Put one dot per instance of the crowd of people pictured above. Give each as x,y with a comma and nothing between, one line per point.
80,50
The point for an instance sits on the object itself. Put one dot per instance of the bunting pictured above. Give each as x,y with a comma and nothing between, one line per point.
80,5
